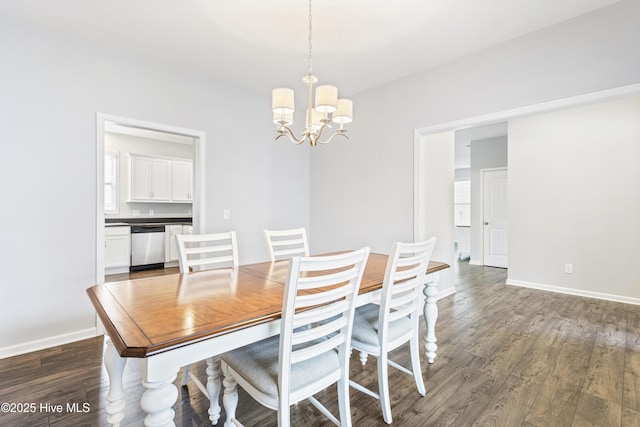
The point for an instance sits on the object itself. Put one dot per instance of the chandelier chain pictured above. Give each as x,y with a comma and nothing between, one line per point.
310,57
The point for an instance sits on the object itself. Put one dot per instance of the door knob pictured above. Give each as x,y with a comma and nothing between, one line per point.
486,223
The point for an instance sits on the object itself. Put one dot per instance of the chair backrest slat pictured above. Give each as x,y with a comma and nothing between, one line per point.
200,250
282,244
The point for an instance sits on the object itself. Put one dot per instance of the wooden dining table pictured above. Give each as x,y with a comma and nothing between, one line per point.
171,321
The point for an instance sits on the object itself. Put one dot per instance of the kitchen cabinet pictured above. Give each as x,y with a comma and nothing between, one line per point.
171,246
182,181
117,249
150,179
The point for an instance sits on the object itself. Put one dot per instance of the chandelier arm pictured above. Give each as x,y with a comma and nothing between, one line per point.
331,137
286,131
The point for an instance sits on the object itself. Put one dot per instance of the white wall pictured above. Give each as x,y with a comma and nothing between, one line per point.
574,198
435,159
485,153
52,87
362,191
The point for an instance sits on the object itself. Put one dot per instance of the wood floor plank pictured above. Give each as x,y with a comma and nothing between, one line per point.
605,375
596,412
630,417
631,392
511,404
553,407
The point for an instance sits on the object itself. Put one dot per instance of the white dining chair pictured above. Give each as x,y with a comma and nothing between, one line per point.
202,251
197,252
282,244
312,351
379,329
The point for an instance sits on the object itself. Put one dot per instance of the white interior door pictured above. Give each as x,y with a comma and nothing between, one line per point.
494,212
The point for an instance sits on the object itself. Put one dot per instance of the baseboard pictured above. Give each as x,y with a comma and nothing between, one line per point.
474,262
116,270
28,347
576,292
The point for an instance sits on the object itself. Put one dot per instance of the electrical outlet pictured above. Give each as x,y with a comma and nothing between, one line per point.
151,212
226,214
568,268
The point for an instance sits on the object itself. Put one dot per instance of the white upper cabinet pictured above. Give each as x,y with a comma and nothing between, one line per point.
160,180
182,181
150,179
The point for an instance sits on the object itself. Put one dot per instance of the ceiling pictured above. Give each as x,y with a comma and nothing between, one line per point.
259,44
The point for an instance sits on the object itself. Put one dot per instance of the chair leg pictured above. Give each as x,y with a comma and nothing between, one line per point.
415,363
230,397
284,414
383,387
185,375
363,358
344,404
213,388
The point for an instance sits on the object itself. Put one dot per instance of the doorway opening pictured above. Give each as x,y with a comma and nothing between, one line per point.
194,141
476,149
433,187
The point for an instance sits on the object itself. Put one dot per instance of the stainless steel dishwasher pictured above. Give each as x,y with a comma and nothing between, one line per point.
147,247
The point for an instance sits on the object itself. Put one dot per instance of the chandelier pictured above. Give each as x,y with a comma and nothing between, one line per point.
327,108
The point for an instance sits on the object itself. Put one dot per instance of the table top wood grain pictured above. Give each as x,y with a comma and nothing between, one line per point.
147,316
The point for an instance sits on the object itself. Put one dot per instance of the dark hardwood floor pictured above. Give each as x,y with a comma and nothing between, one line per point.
507,356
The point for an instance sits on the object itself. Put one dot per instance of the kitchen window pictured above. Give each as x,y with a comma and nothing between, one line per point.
111,183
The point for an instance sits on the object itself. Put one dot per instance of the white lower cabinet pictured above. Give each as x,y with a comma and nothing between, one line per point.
170,245
117,249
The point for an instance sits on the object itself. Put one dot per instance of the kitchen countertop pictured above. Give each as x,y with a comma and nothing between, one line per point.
113,222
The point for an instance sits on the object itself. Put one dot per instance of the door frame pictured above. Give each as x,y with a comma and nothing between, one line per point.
199,202
482,194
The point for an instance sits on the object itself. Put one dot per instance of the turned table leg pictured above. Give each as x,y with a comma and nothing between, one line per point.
431,316
213,388
229,398
115,398
160,393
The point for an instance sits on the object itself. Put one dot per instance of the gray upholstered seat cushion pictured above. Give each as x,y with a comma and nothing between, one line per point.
258,364
365,325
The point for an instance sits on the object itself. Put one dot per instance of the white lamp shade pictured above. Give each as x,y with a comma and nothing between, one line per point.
284,119
326,98
344,112
282,100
